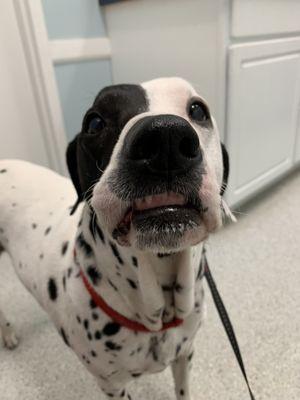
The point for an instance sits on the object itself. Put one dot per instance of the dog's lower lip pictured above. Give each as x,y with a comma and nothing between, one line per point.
133,214
166,220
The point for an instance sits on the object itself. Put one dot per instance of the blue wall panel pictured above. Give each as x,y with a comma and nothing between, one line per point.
73,18
78,85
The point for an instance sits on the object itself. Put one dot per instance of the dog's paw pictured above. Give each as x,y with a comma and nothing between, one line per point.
9,337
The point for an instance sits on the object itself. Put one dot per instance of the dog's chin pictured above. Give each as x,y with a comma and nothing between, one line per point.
165,222
163,229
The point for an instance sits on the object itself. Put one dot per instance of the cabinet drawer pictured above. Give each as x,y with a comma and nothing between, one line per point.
265,17
264,82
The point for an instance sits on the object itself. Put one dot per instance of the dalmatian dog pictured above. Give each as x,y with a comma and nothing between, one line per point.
116,262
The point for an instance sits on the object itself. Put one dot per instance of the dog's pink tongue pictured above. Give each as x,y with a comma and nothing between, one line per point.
159,200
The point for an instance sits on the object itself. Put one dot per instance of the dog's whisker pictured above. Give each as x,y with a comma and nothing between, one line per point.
239,212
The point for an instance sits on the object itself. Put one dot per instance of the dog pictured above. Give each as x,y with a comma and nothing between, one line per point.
116,262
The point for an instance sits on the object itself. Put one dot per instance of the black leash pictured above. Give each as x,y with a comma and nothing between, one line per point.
224,318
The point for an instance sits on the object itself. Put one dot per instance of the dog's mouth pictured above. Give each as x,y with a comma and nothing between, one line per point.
165,214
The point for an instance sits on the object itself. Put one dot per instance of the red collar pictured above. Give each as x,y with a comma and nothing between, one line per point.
115,316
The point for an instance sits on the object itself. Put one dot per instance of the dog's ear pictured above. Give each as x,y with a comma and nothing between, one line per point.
225,158
72,163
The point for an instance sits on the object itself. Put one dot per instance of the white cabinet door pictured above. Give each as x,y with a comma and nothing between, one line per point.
263,100
297,150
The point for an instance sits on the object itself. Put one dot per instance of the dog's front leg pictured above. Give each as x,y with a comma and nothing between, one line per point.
7,332
181,373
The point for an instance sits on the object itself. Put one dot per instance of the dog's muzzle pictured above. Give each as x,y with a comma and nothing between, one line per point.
160,166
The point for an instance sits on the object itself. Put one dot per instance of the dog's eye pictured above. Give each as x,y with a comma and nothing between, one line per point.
94,123
198,111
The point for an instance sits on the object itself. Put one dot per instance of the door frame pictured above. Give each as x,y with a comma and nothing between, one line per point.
35,43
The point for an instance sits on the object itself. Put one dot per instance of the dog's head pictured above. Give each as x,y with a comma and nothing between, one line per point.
150,162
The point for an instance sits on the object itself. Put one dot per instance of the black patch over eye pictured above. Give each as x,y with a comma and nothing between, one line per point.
198,111
94,123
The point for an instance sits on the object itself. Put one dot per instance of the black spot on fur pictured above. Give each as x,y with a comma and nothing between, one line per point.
178,288
153,348
113,346
152,321
94,275
34,226
135,261
132,283
84,245
178,348
123,393
89,336
70,270
111,328
85,359
167,288
95,316
47,230
190,356
98,335
92,304
64,336
2,171
64,282
112,285
64,248
78,319
86,324
116,253
157,313
181,392
41,256
136,375
93,353
52,289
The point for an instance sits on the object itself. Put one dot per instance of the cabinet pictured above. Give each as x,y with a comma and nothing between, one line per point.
262,113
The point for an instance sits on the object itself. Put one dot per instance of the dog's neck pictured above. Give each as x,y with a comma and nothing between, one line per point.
149,288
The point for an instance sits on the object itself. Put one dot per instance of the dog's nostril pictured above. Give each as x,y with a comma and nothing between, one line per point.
145,148
189,146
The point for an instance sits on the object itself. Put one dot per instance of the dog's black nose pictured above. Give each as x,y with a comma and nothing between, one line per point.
163,144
